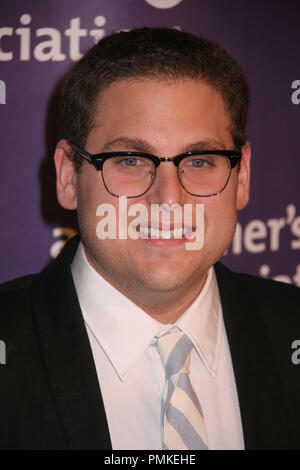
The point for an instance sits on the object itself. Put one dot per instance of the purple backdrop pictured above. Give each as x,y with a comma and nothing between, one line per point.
38,42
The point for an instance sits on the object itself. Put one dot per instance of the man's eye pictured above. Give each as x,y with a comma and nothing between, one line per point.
197,163
128,161
123,163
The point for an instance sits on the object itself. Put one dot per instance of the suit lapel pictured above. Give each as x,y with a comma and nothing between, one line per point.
258,381
67,355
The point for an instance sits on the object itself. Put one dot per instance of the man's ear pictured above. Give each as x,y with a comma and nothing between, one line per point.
66,176
243,189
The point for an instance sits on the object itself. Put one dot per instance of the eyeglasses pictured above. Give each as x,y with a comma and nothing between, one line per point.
203,173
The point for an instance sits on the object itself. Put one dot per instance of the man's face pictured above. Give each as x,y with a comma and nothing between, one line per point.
164,118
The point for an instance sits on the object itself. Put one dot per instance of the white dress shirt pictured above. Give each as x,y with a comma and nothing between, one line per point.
130,370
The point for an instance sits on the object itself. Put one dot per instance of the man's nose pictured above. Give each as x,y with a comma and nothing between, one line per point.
166,188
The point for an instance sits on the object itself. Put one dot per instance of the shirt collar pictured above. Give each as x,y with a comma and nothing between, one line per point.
124,331
202,323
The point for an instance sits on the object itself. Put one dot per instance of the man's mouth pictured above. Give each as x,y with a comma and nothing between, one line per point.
164,233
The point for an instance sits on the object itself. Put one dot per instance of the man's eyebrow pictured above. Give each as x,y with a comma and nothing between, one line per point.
128,143
210,144
141,145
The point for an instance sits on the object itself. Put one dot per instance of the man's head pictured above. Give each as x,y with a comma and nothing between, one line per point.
154,53
162,92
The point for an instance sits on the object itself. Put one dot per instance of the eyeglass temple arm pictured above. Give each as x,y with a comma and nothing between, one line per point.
234,160
82,152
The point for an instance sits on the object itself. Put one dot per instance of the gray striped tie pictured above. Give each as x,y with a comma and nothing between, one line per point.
182,417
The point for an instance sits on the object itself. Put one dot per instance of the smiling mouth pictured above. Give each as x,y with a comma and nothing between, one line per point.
166,234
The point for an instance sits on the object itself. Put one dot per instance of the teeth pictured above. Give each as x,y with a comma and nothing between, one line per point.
178,233
154,233
165,234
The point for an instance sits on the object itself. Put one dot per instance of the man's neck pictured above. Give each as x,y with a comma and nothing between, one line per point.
163,306
168,309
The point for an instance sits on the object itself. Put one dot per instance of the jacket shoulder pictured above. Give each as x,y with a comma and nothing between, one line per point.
18,284
258,284
15,306
18,297
277,301
15,292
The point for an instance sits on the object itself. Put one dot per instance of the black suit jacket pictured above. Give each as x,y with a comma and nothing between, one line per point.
49,392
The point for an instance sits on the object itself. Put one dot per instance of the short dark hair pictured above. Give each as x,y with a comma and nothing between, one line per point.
162,53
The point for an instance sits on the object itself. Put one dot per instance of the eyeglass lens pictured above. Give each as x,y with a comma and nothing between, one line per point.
201,175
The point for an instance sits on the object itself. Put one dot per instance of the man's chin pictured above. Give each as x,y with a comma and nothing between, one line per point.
165,282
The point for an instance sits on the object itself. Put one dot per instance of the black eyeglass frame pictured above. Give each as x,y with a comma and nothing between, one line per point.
98,159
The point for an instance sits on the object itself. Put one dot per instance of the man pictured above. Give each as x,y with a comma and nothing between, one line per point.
154,117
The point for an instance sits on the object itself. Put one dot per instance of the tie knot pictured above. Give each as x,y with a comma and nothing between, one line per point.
175,352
